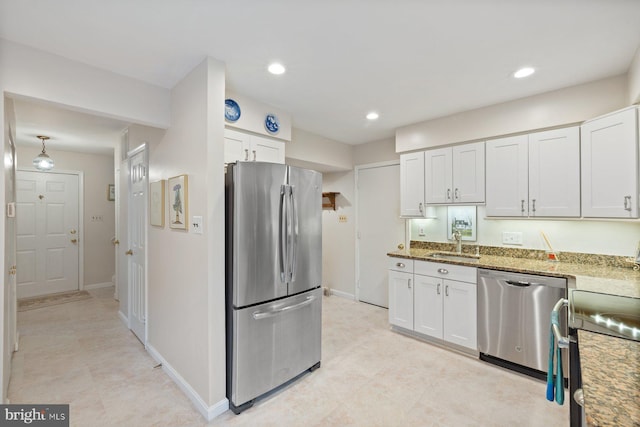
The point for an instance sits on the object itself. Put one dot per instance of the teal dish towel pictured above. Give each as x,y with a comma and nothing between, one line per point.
555,377
550,382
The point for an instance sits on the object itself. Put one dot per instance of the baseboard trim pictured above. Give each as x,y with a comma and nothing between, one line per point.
124,318
208,412
98,285
343,294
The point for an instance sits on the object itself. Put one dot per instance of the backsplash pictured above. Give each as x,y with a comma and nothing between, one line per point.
568,257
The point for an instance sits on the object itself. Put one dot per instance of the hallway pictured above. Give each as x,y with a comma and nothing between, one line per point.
81,353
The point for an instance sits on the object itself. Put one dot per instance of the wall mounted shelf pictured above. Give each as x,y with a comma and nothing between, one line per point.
329,200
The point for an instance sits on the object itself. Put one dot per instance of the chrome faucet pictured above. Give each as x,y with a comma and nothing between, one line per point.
457,236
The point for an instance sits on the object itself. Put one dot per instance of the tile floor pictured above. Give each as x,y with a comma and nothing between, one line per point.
80,353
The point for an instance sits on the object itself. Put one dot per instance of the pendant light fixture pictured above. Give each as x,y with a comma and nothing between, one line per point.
43,162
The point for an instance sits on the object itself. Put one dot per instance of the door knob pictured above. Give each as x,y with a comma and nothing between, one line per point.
115,241
129,252
72,231
74,240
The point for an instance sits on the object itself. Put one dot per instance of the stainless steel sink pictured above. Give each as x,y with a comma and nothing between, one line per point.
455,257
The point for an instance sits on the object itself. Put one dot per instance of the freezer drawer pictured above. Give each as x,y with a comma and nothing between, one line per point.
273,343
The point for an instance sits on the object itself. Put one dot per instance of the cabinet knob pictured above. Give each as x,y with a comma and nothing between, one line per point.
401,246
400,265
443,271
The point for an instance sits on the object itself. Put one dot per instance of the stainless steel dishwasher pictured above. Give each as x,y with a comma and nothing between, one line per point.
514,317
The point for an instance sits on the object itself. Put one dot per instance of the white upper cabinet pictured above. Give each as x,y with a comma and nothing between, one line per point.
412,185
507,176
535,175
455,174
554,173
241,146
610,165
468,173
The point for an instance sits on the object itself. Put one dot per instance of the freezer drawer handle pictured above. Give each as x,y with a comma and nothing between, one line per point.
265,314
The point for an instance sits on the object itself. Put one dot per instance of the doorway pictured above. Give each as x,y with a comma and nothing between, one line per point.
379,228
48,236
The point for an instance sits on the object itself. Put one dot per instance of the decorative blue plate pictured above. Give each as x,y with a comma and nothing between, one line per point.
231,110
272,123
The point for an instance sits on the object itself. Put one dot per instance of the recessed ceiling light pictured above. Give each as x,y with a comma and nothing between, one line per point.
276,68
523,72
373,115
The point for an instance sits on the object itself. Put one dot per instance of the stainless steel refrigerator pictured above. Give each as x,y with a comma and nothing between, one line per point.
273,277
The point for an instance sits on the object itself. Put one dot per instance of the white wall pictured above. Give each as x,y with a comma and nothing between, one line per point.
585,236
36,74
313,151
375,152
99,257
186,270
564,106
633,78
338,238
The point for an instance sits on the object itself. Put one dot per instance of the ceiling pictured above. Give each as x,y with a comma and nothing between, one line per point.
409,60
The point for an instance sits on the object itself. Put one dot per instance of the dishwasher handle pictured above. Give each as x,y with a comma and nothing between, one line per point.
520,283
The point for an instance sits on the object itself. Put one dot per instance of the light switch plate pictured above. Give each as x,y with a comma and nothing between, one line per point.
196,225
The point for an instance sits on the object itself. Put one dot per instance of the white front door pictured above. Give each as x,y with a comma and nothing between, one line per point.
137,242
47,233
380,229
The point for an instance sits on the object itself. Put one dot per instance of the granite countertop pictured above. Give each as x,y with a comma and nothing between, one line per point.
610,366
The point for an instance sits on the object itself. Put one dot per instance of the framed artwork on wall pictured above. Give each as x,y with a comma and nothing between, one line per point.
462,218
178,202
156,203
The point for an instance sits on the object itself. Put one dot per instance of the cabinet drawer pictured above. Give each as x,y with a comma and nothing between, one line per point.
401,264
460,273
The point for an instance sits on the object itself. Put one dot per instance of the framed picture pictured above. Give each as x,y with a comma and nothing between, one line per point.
156,203
638,254
178,202
111,192
462,218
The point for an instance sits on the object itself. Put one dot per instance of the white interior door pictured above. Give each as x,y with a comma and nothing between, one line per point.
47,233
137,240
379,229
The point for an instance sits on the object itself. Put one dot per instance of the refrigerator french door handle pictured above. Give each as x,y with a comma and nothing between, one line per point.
265,314
294,235
282,234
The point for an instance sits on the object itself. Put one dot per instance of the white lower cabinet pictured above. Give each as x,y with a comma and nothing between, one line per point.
401,292
435,300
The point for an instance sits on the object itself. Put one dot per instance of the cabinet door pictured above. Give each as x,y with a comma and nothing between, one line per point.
266,150
468,173
507,176
554,173
427,305
237,146
610,166
438,187
460,318
412,184
401,299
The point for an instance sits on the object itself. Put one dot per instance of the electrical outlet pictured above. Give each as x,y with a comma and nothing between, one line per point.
342,218
421,231
512,237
